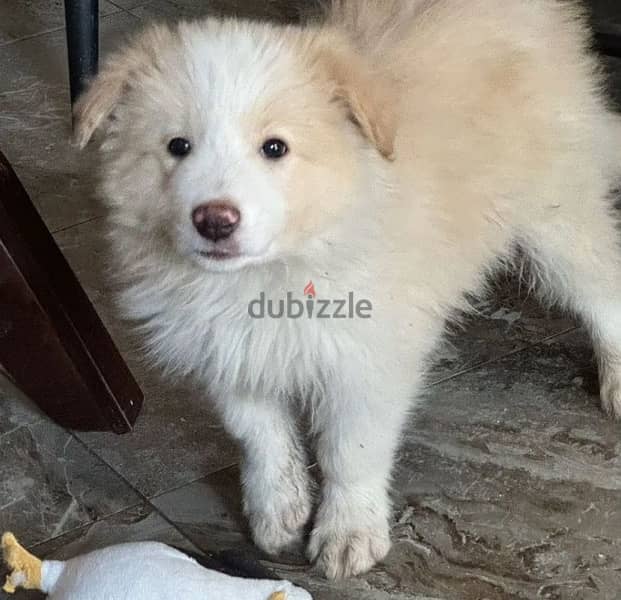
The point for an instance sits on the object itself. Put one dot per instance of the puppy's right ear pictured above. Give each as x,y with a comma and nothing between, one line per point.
369,97
96,104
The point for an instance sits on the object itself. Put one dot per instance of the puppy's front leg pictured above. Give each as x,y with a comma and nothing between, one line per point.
359,429
276,484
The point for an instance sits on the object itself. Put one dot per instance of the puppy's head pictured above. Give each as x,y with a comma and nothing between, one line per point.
235,143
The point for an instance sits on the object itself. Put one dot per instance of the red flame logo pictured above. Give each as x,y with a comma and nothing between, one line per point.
309,290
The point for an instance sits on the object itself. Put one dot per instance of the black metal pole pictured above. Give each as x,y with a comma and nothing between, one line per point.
82,24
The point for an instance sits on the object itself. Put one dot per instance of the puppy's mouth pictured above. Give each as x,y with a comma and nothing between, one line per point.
220,260
226,260
219,255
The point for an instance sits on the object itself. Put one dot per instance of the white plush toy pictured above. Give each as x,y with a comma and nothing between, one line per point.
140,571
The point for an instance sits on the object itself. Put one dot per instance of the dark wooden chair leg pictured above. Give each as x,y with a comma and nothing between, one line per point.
52,342
82,25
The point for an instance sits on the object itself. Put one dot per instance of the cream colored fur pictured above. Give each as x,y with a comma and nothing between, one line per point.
428,141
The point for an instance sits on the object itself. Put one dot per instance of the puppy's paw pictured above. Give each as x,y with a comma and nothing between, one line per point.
348,552
277,521
610,391
278,529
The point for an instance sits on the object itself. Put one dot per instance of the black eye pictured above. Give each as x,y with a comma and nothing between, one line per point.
179,147
274,149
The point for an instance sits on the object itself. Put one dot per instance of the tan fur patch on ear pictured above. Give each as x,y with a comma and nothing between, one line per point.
106,90
97,103
370,99
373,118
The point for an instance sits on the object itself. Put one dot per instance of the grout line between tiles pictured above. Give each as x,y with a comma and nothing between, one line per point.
501,357
67,227
192,481
31,36
145,499
84,525
122,8
127,11
137,7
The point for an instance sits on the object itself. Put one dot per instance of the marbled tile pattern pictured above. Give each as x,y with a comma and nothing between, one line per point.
50,483
508,485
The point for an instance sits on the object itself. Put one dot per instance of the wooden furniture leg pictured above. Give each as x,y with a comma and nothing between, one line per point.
53,345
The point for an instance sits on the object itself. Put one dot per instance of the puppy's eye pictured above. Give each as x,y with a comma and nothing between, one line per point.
179,147
274,149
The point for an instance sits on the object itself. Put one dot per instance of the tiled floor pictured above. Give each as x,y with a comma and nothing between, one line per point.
509,480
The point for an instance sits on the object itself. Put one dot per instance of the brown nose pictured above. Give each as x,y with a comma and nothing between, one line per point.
216,220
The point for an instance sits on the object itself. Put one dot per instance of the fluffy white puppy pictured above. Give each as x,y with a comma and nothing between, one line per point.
393,155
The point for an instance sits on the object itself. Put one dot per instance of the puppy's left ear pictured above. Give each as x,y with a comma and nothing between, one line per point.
95,106
98,101
370,98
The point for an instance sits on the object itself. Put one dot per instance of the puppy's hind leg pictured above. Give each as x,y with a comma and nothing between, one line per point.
577,256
